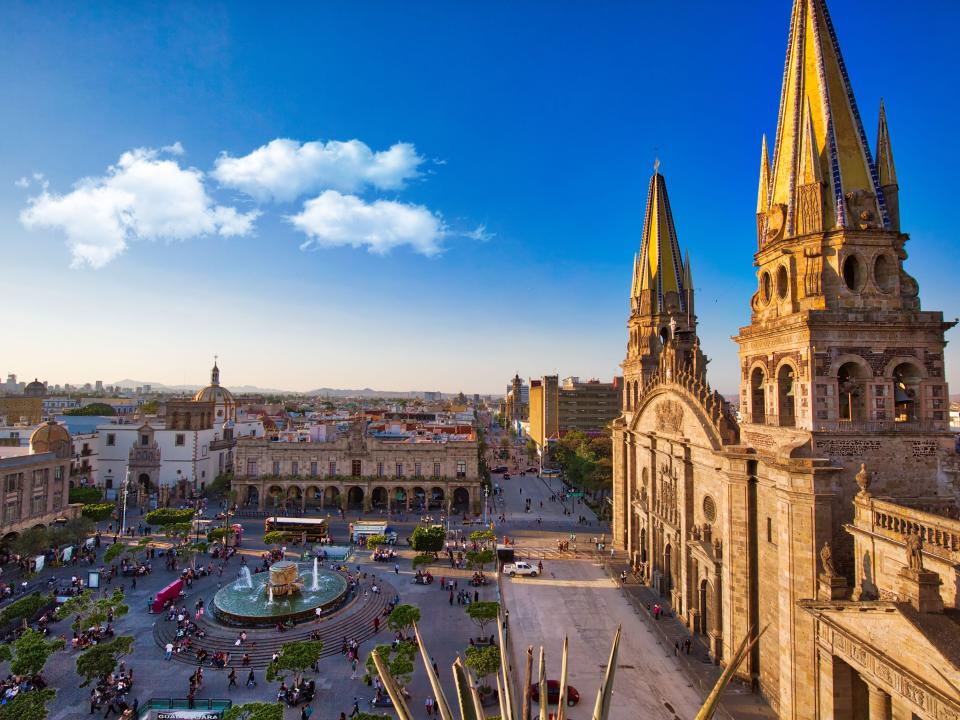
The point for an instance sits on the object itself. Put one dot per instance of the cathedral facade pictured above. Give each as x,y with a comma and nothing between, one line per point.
822,511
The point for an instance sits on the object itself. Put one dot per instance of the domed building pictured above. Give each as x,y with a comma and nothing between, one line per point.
35,389
225,406
51,437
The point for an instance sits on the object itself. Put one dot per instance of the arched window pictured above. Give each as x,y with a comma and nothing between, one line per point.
636,393
758,397
785,396
850,386
906,392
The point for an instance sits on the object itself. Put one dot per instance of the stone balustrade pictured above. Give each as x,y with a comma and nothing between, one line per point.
940,534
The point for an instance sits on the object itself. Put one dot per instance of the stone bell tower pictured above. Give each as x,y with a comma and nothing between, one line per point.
661,298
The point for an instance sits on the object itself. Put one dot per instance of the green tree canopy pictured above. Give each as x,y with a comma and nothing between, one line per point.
92,409
113,552
77,529
428,539
97,512
101,659
479,558
256,711
30,542
483,536
375,541
150,407
168,516
274,537
483,613
26,608
29,652
403,617
28,705
297,656
484,661
90,611
399,660
423,559
85,495
219,534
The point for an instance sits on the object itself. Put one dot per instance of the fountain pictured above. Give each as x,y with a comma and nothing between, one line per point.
245,581
280,595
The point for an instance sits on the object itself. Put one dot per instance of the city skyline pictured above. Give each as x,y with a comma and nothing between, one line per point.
331,208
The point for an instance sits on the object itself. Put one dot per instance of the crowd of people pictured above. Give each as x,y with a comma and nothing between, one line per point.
112,693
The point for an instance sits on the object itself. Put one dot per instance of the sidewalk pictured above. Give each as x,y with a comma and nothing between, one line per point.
738,702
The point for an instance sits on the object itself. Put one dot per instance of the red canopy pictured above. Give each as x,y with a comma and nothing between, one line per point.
170,592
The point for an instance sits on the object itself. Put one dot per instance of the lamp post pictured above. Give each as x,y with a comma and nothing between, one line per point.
486,503
125,489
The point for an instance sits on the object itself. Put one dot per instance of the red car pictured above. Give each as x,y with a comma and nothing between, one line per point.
553,693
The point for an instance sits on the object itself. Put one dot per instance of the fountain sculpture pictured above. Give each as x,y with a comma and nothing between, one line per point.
284,580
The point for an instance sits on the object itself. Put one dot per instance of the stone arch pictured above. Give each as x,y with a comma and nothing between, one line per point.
907,380
39,526
355,497
419,499
786,379
294,492
9,537
636,393
331,495
379,497
252,496
461,499
852,375
314,496
715,433
705,598
758,395
437,498
667,569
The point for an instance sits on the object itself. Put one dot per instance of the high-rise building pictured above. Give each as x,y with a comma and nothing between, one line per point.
827,515
556,407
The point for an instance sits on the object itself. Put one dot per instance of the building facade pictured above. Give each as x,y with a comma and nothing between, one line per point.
21,409
827,514
361,471
516,402
35,489
557,408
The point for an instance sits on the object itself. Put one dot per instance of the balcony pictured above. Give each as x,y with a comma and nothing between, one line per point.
854,427
940,534
224,444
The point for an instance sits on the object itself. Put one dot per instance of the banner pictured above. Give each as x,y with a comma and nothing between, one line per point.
38,561
67,553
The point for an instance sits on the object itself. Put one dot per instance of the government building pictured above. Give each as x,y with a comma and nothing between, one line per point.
349,467
822,511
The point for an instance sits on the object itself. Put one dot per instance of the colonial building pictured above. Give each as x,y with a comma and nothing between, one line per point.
826,516
516,402
34,479
358,469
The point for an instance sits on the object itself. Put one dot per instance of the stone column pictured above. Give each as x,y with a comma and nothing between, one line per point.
261,498
901,710
880,708
836,687
303,502
407,492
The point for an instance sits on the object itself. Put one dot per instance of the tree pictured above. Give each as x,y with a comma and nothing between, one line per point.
428,539
26,608
423,559
403,617
531,448
256,711
399,660
77,529
274,537
375,541
483,536
92,409
90,611
298,656
29,652
482,613
97,512
168,516
113,552
150,407
477,559
484,661
30,542
30,705
220,534
101,659
85,495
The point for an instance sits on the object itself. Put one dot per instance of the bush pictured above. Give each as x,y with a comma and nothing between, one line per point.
25,608
423,559
93,409
428,539
168,516
85,495
97,511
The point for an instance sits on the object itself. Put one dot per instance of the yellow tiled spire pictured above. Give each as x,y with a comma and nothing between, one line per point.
660,271
820,138
763,191
885,169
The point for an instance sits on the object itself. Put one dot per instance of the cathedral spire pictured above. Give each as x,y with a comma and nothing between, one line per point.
886,172
817,106
661,272
763,190
215,373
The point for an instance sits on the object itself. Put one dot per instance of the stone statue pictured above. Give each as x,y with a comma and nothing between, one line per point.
826,559
914,552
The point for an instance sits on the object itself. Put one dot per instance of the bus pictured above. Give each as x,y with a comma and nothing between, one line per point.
362,530
297,528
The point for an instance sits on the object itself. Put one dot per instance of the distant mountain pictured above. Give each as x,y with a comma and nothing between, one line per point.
254,390
368,392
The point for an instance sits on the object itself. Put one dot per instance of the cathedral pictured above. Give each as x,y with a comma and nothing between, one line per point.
821,513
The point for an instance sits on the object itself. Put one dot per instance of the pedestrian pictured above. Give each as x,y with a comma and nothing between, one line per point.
169,650
251,680
436,670
676,648
356,708
686,645
451,598
376,624
306,712
353,669
476,596
396,568
232,677
428,705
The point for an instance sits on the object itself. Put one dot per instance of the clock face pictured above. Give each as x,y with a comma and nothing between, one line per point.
775,221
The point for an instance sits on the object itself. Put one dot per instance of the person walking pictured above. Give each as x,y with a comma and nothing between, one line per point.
353,669
232,677
451,598
356,708
396,568
169,651
251,680
376,624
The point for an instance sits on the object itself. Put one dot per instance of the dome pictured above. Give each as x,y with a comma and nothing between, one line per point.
215,394
51,437
35,389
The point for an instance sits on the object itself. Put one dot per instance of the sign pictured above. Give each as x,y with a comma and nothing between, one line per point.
575,494
93,579
39,561
187,715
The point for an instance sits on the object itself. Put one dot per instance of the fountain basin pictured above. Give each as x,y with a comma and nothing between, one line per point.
250,606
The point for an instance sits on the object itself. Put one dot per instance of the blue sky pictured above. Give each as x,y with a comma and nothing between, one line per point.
527,134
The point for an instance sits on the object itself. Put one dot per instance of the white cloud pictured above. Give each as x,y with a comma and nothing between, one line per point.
142,197
479,233
175,149
22,182
283,170
334,220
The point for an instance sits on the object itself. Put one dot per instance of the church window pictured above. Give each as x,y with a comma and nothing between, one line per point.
416,470
252,468
144,439
379,469
852,273
758,398
294,468
769,530
333,468
786,393
355,468
276,467
111,439
436,469
765,287
399,470
461,469
180,440
850,384
313,468
709,509
783,284
906,392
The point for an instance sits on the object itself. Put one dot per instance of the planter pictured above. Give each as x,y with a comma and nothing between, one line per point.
488,697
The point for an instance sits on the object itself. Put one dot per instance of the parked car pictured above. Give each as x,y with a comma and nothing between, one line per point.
553,693
533,470
506,476
499,469
520,568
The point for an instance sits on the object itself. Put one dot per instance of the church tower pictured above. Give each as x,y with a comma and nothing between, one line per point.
661,297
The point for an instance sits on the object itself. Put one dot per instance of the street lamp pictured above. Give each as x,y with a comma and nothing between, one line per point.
486,503
125,489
